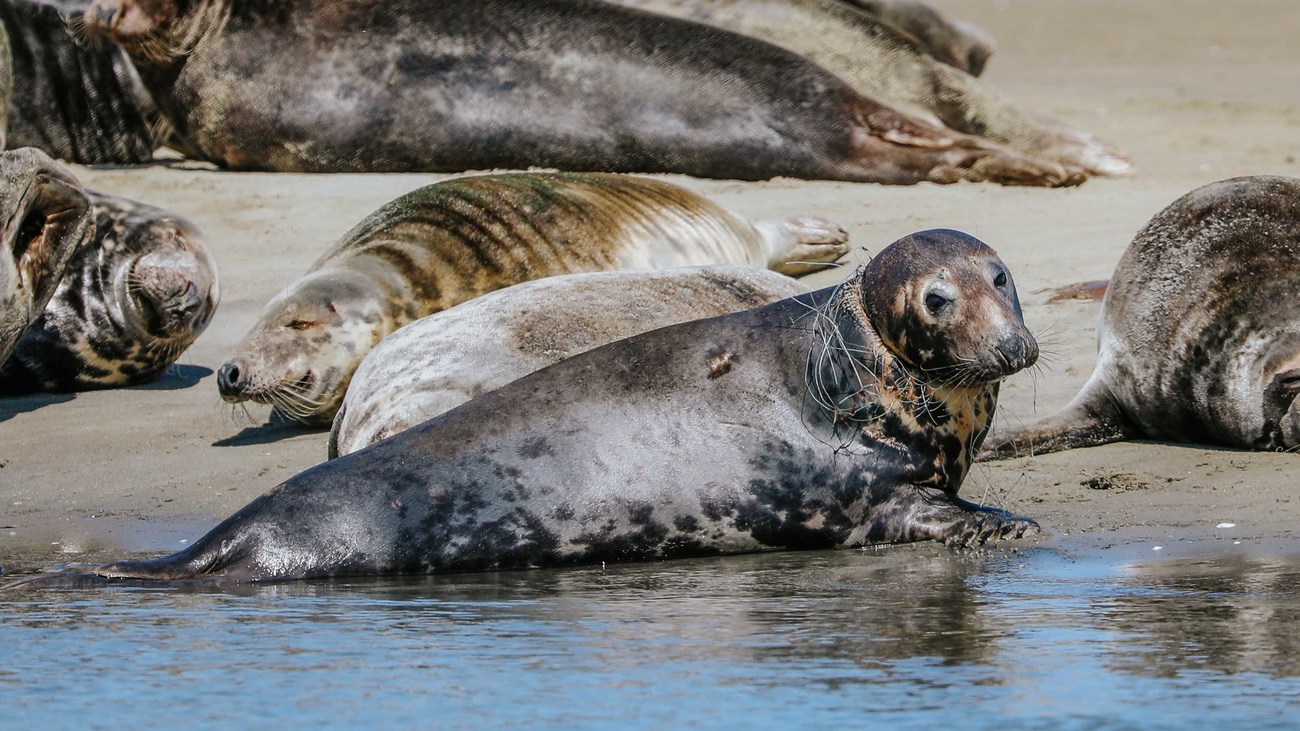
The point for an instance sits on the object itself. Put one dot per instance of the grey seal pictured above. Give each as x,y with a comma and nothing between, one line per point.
441,361
452,241
1199,341
838,418
454,85
132,300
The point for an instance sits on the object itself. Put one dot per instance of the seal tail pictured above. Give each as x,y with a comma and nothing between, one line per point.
1093,418
889,146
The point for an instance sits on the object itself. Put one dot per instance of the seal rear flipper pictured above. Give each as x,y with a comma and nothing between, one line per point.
888,145
802,244
1090,420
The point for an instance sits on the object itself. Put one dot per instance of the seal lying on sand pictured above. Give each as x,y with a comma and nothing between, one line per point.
869,53
45,218
838,418
451,85
81,103
131,302
441,361
1199,340
452,241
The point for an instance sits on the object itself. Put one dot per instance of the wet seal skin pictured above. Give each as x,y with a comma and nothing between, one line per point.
452,241
1199,340
453,85
844,417
441,361
80,102
874,47
45,218
131,302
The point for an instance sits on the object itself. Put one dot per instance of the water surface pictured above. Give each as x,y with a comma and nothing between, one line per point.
900,638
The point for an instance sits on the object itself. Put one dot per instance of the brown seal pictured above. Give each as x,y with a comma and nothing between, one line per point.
835,419
1199,339
132,301
452,241
457,85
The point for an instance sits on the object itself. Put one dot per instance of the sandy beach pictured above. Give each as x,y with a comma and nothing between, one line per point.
1195,90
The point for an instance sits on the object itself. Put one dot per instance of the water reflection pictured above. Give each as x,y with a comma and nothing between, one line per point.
909,636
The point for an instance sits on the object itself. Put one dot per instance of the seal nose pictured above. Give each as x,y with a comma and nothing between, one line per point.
103,15
230,381
1017,353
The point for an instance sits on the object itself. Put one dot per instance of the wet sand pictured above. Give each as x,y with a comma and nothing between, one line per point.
1195,91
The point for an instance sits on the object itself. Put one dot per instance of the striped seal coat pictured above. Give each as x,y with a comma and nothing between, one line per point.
1199,338
45,219
441,361
80,102
131,302
842,418
447,243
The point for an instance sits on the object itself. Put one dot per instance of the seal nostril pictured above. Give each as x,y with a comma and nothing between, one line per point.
104,15
228,379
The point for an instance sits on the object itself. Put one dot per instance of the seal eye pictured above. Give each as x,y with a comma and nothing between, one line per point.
935,302
302,325
1000,280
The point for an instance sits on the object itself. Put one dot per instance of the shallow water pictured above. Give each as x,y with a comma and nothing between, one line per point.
905,637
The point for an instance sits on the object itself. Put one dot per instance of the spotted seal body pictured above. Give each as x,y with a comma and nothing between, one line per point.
443,360
45,218
797,425
78,102
1199,339
131,302
452,85
863,46
452,241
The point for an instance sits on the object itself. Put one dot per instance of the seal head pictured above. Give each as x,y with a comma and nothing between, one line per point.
956,324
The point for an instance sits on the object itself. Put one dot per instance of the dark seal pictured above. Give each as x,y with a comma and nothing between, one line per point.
45,219
452,85
82,103
838,418
131,302
1199,340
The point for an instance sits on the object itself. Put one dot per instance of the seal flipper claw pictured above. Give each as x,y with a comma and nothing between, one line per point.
1093,418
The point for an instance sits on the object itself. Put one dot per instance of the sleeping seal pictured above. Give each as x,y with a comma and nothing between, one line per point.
452,241
131,302
45,219
1199,340
441,361
838,418
869,53
453,85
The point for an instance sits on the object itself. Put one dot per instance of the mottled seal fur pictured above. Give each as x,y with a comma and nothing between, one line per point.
1199,339
131,302
79,102
441,361
453,85
45,219
866,50
455,240
838,418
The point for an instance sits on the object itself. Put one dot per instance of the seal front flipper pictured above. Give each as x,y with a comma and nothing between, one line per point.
1093,418
917,513
802,244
